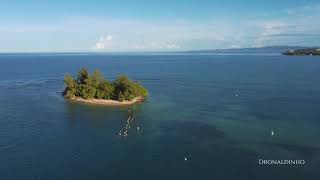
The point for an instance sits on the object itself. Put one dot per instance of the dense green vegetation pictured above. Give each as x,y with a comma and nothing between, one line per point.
301,52
89,86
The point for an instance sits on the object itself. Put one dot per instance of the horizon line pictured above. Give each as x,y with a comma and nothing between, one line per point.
148,51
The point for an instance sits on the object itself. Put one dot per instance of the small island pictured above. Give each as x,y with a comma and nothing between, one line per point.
95,89
303,52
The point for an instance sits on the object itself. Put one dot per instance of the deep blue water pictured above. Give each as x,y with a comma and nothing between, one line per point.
217,111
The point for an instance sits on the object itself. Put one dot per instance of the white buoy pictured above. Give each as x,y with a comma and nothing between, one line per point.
138,128
185,159
272,133
236,94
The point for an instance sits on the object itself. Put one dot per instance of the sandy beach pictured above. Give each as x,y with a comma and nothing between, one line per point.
108,102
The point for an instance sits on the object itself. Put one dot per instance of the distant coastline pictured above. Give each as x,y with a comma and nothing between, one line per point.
303,52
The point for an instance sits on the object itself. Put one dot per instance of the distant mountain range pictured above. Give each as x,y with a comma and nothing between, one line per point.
267,49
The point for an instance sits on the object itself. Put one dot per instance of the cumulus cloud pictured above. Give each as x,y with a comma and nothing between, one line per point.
103,42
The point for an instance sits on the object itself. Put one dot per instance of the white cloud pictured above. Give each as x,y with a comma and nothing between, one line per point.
303,10
155,46
108,38
103,42
162,46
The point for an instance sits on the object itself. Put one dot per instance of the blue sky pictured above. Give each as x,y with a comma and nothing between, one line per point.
108,26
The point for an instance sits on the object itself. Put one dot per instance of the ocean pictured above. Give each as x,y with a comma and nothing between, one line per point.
208,116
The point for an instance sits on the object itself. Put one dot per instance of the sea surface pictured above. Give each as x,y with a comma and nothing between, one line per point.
208,116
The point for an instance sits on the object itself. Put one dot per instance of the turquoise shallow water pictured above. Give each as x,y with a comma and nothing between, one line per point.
207,117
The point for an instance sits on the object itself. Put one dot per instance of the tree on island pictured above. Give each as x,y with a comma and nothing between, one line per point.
88,86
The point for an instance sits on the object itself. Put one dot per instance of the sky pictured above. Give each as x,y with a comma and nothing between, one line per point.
155,25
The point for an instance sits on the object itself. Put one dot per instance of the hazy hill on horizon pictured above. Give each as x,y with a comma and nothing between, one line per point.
266,49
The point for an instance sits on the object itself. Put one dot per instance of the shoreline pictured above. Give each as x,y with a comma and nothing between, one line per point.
108,102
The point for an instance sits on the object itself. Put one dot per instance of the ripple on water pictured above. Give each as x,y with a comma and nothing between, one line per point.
32,82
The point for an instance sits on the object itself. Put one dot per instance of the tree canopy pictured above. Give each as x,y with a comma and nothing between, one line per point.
301,52
89,86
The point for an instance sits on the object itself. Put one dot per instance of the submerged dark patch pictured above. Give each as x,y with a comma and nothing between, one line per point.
303,151
192,129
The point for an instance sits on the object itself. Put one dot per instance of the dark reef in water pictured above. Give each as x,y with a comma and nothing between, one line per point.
194,130
301,150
